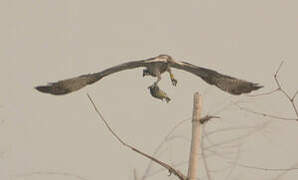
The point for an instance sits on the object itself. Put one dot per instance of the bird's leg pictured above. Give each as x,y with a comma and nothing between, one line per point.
158,79
174,81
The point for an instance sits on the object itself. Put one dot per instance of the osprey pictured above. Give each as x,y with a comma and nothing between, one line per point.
154,67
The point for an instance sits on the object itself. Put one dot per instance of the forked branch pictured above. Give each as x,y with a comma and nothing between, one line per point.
165,165
279,88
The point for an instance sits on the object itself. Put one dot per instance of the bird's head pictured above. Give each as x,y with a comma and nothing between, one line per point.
146,72
164,56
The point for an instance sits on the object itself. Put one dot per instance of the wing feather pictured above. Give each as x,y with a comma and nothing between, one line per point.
73,84
224,82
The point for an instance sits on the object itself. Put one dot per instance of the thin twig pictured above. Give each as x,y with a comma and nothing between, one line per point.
135,174
279,88
222,130
266,169
207,170
246,135
265,114
106,123
234,164
294,96
51,173
166,139
165,165
291,99
263,94
207,136
283,173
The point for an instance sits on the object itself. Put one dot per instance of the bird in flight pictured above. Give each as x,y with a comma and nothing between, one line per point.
154,67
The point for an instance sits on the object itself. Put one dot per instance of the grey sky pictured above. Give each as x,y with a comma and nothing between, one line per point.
44,41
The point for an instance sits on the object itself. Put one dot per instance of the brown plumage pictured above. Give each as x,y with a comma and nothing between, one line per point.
224,82
154,67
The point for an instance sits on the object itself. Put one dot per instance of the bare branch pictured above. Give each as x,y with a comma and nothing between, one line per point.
166,139
257,128
283,173
291,100
207,118
184,163
278,69
204,158
264,114
51,173
266,169
230,129
170,169
234,164
279,88
169,137
135,175
263,94
106,123
223,156
294,96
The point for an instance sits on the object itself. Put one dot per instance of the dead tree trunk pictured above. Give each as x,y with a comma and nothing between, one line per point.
195,140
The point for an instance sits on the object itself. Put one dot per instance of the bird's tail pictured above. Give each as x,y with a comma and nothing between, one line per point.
168,99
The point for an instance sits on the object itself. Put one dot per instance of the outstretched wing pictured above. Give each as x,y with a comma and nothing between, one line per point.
226,83
73,84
